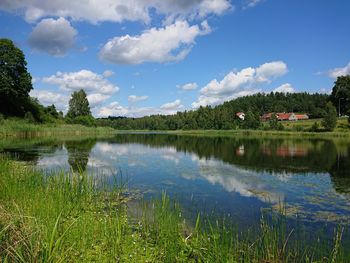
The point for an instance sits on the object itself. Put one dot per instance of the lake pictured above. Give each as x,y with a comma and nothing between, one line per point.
236,177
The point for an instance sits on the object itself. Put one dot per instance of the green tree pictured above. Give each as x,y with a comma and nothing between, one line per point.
251,121
15,80
273,122
330,119
51,110
78,105
341,94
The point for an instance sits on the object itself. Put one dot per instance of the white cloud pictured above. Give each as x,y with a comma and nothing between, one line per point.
172,105
169,44
285,88
134,98
337,72
54,37
115,10
97,87
115,109
237,84
188,86
251,3
108,73
90,81
268,71
96,99
49,97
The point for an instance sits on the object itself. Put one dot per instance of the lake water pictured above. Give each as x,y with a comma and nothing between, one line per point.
232,176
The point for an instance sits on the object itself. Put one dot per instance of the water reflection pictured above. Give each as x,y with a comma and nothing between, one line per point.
239,175
78,153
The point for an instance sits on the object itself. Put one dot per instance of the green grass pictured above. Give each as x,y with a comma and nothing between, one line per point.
78,218
297,129
20,128
305,125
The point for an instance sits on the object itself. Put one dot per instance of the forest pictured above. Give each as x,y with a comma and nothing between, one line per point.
224,116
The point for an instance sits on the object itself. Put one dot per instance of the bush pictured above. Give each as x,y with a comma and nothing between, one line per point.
330,118
83,120
275,124
315,127
2,118
252,121
28,116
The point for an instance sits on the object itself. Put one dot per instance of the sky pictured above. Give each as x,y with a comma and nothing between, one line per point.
143,57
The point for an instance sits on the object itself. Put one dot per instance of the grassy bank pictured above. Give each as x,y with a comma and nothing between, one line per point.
296,129
262,133
21,128
77,218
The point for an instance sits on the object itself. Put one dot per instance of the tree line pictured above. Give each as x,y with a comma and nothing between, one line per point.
16,84
224,116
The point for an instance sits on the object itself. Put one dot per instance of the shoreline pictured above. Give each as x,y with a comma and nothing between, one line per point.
243,133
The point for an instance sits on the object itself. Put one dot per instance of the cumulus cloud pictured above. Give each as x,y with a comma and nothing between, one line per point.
188,86
169,44
90,81
47,98
108,73
116,109
237,84
54,37
96,99
97,87
134,98
251,3
337,72
285,88
115,10
175,105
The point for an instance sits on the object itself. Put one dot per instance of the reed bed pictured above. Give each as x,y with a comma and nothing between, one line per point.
18,128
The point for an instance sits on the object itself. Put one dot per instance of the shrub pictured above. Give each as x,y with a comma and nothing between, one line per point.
315,127
83,120
330,118
275,124
28,116
2,118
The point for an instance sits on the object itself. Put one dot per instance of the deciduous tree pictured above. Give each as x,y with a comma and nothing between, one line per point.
15,80
330,119
341,94
78,105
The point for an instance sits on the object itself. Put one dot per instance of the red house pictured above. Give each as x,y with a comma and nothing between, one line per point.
283,116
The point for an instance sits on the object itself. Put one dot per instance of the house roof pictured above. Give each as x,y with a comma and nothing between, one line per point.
284,115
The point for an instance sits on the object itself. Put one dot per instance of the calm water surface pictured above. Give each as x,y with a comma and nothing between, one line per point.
232,176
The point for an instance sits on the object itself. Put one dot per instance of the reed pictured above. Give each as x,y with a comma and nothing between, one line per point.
19,128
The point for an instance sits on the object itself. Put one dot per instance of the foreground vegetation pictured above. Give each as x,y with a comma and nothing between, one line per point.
16,127
78,218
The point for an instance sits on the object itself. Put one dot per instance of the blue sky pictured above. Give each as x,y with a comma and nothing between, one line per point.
142,57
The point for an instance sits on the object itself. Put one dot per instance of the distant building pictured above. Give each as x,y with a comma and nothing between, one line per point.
240,115
283,116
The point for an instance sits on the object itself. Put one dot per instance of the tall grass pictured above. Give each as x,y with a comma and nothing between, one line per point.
21,128
77,218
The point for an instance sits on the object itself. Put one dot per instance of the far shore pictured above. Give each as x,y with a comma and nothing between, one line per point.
21,129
